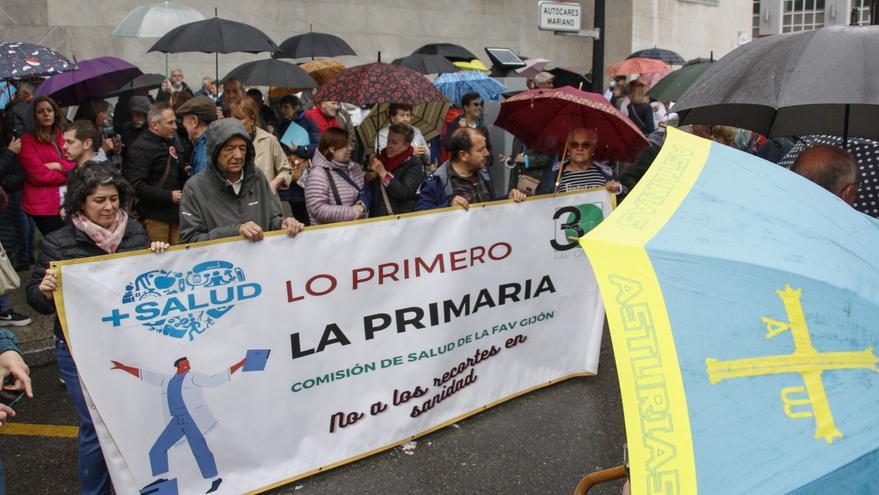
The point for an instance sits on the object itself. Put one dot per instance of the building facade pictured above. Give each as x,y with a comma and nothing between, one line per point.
791,16
694,28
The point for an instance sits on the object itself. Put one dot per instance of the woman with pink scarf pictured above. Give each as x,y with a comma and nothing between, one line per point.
99,225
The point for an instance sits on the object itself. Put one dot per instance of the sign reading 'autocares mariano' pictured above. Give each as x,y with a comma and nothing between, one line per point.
559,16
177,304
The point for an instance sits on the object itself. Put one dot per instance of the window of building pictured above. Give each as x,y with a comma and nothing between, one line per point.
860,12
755,20
802,15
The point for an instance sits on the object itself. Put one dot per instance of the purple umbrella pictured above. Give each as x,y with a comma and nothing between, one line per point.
95,78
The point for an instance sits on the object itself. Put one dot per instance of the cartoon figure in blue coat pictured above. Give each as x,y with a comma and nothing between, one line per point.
189,416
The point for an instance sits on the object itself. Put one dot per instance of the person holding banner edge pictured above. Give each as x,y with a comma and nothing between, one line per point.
97,225
14,378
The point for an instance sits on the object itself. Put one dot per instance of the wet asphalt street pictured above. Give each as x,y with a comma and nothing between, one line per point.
540,443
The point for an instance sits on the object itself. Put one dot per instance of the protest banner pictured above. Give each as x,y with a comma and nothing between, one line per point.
241,366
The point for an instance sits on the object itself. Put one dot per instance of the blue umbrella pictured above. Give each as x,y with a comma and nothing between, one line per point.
456,84
6,92
743,303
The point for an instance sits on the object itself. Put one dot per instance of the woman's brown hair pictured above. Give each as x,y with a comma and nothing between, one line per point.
333,138
42,134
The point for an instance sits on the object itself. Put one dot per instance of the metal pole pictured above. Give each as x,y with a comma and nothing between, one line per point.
598,49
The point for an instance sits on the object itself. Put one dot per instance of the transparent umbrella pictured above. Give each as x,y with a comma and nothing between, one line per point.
154,21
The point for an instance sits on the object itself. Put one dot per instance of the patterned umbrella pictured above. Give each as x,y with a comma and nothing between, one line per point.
95,78
376,83
865,151
26,60
542,119
457,84
429,118
637,66
322,70
667,56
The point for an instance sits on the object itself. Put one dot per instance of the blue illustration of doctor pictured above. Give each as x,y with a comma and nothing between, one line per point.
189,415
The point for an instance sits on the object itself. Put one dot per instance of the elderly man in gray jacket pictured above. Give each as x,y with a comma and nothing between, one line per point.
232,197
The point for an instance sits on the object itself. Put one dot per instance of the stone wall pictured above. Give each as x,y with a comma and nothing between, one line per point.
82,28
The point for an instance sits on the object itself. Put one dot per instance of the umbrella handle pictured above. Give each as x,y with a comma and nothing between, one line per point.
558,177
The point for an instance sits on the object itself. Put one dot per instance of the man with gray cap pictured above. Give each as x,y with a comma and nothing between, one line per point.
198,113
231,197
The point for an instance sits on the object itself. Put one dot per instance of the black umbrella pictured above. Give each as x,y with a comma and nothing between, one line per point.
564,77
214,35
271,72
145,81
453,52
667,56
311,45
427,64
815,82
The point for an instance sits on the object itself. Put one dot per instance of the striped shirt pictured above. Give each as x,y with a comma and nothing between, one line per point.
573,180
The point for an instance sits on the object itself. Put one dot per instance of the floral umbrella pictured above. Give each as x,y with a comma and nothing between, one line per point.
377,83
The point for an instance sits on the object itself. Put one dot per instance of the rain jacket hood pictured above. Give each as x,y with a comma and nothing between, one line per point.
218,133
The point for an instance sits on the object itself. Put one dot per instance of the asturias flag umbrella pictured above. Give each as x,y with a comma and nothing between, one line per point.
743,302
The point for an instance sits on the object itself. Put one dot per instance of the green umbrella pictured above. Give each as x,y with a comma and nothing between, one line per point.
673,85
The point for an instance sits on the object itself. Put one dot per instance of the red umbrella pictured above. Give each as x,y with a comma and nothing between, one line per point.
377,83
637,66
542,119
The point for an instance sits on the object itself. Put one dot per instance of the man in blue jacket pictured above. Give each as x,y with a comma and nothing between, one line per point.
463,179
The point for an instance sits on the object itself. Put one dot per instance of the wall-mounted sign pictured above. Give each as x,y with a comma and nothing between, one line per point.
559,16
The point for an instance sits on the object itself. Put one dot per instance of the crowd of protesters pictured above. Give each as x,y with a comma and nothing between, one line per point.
188,166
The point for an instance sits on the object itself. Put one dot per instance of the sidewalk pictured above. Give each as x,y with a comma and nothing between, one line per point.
36,339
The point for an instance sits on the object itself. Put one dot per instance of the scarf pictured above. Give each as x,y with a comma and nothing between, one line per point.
392,163
106,239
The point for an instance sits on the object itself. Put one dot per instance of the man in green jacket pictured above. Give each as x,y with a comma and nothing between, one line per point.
232,197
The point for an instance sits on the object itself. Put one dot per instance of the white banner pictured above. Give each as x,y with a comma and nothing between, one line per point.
303,354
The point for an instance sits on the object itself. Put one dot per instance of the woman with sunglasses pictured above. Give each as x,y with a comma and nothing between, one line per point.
472,105
579,171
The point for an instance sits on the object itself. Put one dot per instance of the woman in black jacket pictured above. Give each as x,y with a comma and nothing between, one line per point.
97,225
11,179
399,173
